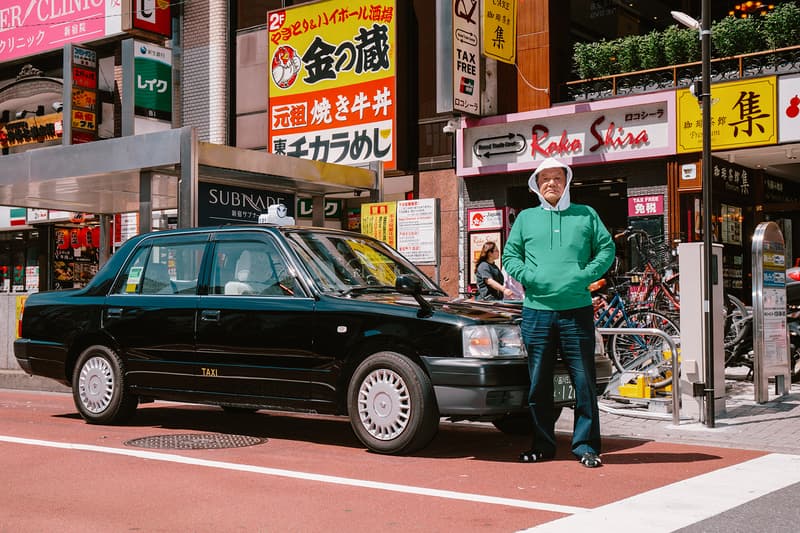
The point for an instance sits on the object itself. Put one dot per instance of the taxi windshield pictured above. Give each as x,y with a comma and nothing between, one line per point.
340,263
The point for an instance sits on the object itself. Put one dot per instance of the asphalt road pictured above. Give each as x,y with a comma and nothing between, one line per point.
306,473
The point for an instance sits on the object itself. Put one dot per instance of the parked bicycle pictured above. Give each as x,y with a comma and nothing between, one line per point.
632,352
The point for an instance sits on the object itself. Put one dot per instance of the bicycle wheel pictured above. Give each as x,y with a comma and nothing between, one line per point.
667,301
638,353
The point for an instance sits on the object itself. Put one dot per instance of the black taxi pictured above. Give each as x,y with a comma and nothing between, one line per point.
284,318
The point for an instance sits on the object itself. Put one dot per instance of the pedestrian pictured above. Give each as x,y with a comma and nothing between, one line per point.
556,250
488,275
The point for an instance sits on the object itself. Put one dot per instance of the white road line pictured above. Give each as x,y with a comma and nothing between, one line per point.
689,501
406,489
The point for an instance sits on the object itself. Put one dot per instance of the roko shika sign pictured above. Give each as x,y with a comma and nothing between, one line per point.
29,27
624,128
332,81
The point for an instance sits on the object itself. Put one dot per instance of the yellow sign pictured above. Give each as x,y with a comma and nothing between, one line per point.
85,120
19,306
31,129
500,30
743,113
380,221
332,94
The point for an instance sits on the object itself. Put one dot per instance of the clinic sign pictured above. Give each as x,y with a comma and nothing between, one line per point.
592,132
332,90
29,27
743,114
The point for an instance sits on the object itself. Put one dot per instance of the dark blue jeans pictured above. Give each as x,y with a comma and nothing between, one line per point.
571,332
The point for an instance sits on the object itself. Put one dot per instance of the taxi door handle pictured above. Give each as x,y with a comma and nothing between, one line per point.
114,312
209,315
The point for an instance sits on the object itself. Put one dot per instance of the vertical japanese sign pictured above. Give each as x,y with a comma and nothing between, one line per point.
417,230
153,89
84,95
743,114
29,27
332,90
380,221
500,30
466,57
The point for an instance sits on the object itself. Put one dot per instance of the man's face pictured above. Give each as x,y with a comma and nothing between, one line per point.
551,182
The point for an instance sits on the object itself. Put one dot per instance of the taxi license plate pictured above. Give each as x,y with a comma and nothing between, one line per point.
563,391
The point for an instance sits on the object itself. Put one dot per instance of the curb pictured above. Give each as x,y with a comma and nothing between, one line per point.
17,379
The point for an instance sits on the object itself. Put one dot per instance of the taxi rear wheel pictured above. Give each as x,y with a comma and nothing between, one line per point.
391,404
99,388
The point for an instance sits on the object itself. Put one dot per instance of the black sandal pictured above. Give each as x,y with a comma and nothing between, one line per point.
533,456
591,460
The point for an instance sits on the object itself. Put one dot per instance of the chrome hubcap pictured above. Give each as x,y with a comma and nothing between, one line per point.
96,384
384,404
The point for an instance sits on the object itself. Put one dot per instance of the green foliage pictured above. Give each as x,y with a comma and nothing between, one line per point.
628,59
681,45
676,45
734,36
651,50
781,27
596,59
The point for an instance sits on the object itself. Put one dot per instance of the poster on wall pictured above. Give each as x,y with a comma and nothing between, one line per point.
731,224
417,230
379,220
476,242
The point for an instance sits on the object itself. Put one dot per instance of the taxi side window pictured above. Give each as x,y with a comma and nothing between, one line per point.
250,268
168,269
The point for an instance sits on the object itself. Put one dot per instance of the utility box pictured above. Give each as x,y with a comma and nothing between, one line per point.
693,323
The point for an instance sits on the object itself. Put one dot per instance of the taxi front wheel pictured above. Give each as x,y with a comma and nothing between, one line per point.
392,405
99,388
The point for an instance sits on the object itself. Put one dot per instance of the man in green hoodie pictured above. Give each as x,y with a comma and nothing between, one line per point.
556,250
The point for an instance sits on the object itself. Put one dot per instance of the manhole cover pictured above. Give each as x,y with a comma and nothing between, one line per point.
195,441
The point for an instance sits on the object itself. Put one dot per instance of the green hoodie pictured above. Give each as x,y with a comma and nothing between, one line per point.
556,252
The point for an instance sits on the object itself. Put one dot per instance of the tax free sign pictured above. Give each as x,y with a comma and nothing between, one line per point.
332,94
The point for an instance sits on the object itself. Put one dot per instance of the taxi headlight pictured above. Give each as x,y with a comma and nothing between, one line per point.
493,341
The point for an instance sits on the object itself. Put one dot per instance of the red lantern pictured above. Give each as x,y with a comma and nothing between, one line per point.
95,233
86,238
75,238
62,239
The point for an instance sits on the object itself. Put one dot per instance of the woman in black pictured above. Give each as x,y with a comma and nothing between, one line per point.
490,279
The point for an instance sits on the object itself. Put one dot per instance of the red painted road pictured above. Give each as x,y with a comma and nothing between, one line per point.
53,489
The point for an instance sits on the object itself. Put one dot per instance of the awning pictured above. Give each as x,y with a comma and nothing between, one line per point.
106,176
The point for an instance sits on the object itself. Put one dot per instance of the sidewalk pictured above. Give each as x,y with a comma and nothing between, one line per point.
772,426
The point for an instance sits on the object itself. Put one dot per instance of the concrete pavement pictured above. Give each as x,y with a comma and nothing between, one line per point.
772,426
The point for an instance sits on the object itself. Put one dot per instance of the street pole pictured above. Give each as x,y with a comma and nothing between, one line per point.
708,304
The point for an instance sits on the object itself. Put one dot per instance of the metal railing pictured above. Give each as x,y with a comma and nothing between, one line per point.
676,387
763,63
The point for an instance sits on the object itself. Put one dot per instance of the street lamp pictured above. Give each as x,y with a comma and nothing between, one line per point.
703,26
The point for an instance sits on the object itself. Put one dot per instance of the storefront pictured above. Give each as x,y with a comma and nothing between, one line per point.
619,150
